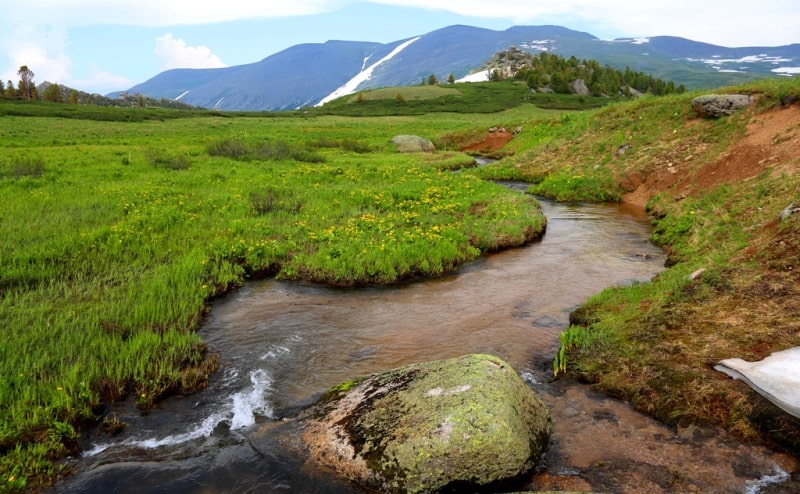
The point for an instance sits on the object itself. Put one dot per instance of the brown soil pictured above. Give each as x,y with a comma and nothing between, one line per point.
492,142
772,140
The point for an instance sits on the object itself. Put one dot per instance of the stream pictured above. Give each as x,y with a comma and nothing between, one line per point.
282,344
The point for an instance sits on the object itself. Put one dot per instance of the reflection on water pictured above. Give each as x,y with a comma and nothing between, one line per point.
284,343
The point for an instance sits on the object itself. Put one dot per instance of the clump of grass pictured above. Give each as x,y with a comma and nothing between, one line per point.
112,425
265,151
20,167
270,199
348,144
566,185
167,161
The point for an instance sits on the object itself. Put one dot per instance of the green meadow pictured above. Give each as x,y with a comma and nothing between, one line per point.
118,226
118,229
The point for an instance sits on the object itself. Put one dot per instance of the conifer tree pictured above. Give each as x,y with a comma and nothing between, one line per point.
26,86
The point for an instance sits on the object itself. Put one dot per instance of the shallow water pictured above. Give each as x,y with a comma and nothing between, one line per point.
282,344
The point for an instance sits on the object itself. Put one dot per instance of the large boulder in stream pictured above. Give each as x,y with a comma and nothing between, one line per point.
466,421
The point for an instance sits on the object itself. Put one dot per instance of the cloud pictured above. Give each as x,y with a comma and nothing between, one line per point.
723,22
158,13
175,53
41,49
100,81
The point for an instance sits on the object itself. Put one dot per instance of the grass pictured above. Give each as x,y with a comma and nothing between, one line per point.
655,344
117,233
119,227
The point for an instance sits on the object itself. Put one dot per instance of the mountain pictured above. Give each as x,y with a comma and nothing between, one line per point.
308,74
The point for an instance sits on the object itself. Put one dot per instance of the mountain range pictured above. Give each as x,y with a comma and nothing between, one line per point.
305,75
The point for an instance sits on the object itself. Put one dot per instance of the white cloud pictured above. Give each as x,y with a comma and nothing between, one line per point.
41,49
723,22
175,53
100,81
155,13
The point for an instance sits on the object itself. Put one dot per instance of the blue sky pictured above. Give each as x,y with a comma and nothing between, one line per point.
100,46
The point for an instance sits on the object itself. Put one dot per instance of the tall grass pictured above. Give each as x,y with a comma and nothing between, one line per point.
116,235
731,287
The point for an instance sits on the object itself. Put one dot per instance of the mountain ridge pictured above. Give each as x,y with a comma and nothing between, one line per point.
307,74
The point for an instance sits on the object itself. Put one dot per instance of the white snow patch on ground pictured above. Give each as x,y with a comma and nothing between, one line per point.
182,95
481,76
787,70
350,86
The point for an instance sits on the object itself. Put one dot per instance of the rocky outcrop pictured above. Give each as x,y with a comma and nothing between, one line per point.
718,105
465,421
412,144
578,86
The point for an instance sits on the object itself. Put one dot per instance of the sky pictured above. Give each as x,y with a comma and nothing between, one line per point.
99,46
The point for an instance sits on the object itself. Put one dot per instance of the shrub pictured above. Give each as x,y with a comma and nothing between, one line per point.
271,199
267,151
167,161
25,167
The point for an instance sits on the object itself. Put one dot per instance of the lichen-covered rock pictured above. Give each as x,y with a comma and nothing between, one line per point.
412,144
717,105
421,428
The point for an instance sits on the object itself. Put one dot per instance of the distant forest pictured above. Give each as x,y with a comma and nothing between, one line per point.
553,73
27,90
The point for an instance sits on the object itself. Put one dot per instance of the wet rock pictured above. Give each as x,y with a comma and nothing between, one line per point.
718,105
466,421
412,144
789,211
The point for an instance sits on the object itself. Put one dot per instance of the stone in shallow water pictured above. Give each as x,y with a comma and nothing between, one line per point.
424,427
777,377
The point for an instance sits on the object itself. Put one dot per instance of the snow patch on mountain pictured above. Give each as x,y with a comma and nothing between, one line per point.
366,74
539,44
740,64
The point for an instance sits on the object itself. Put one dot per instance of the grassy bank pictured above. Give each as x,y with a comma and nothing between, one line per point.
716,189
116,234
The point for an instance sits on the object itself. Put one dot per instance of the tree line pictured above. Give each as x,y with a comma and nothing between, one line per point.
27,90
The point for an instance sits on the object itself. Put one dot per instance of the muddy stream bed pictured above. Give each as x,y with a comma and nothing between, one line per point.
282,344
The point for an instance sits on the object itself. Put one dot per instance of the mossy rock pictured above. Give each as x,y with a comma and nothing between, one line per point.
469,420
412,144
